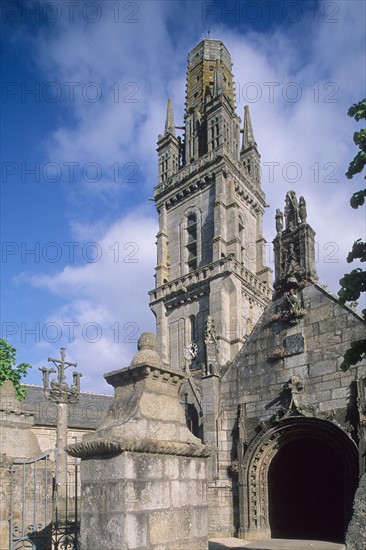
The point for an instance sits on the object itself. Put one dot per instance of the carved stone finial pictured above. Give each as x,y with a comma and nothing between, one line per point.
294,248
302,210
279,221
291,211
147,340
147,351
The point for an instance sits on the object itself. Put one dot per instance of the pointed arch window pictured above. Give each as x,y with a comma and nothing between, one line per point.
241,238
191,240
193,329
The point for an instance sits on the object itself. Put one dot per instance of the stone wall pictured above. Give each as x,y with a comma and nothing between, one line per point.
284,369
356,533
46,436
311,348
144,501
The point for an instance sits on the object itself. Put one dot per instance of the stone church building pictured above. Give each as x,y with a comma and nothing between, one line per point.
264,385
276,438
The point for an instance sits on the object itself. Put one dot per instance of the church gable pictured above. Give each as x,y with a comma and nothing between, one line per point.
308,352
285,401
291,361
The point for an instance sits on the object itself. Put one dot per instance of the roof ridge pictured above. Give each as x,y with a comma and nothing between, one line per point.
82,392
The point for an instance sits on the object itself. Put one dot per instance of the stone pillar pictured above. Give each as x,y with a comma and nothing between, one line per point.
61,443
143,473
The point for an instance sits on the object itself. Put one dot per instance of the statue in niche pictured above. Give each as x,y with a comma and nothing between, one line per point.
291,211
211,366
296,386
291,264
279,221
210,333
302,210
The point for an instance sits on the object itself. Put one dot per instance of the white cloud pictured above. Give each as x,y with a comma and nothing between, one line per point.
106,301
310,139
312,132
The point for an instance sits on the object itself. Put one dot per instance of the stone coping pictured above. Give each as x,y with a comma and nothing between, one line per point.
114,446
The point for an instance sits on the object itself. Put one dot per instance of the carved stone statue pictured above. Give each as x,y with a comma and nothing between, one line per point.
279,221
212,365
292,303
302,210
210,333
291,211
296,386
291,264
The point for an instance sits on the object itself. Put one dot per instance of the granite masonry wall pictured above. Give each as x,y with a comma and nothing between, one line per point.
144,501
283,370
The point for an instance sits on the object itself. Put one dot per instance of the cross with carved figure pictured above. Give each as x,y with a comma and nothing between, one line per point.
62,365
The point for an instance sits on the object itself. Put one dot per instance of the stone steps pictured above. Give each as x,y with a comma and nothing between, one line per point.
273,544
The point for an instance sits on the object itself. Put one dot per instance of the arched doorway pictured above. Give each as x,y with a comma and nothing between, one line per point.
298,479
307,492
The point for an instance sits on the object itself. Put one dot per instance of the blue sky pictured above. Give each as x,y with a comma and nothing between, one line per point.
84,92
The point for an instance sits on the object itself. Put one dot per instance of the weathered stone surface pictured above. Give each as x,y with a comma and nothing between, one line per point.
16,437
356,532
275,544
145,416
143,473
149,510
294,343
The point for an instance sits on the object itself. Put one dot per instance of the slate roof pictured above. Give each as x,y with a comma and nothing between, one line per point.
88,413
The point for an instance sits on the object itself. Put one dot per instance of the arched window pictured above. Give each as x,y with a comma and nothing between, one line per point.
193,328
191,239
192,419
241,238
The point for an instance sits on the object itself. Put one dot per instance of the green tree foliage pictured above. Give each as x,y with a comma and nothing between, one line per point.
8,370
354,283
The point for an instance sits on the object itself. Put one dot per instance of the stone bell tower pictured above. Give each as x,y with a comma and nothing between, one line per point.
211,274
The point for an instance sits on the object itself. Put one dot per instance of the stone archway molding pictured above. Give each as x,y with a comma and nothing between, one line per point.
257,457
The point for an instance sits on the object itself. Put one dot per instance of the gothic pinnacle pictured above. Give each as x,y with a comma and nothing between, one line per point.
169,121
218,80
248,134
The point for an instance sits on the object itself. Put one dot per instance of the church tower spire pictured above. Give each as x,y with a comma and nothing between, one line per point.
169,121
169,147
248,134
249,154
210,249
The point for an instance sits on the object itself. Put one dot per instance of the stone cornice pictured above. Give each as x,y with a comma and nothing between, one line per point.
185,287
113,446
201,173
139,372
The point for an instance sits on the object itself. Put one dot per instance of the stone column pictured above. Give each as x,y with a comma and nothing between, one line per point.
61,443
143,473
